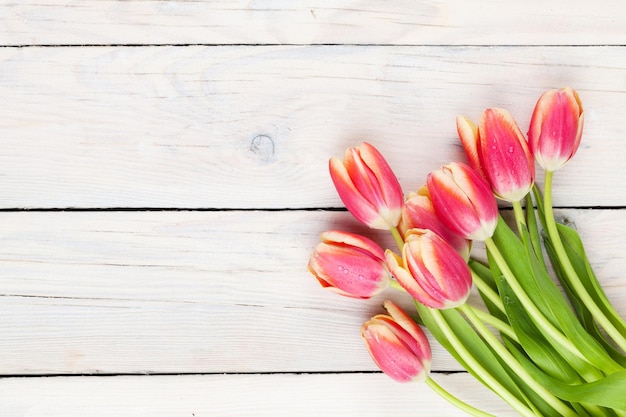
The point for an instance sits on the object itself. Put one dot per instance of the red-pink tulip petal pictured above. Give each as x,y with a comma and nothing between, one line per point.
368,187
349,265
419,212
505,158
468,133
408,282
556,128
437,268
397,345
463,201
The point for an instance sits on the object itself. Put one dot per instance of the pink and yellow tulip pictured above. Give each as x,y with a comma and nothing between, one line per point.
431,270
556,128
368,187
398,345
349,265
418,212
463,201
498,150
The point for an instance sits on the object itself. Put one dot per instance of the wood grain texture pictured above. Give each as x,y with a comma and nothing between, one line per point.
303,395
253,127
198,292
491,22
223,105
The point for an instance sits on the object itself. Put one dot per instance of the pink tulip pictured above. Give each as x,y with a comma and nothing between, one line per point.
431,270
463,201
556,128
398,345
418,212
349,264
498,150
368,187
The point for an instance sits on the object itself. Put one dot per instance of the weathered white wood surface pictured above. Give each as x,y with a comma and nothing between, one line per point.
208,106
55,22
287,395
209,292
254,126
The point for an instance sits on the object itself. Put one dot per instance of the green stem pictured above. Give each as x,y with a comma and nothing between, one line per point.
515,366
455,401
551,332
473,363
397,237
496,323
520,219
487,291
569,270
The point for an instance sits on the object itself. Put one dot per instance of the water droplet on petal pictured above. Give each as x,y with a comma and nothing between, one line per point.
339,268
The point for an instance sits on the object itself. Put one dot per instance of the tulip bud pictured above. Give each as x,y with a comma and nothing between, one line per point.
398,345
349,264
368,187
418,212
498,150
431,270
556,128
463,201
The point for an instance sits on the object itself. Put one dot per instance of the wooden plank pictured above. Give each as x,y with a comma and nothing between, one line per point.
253,127
172,292
57,22
303,395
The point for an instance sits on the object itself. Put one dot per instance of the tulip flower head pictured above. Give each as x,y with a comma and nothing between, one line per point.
463,201
368,187
498,150
418,212
349,265
431,270
398,345
556,128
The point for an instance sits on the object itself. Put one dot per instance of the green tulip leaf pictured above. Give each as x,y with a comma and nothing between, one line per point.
535,281
474,344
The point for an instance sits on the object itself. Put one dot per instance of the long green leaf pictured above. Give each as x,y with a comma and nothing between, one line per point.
576,253
533,229
543,354
609,391
536,282
484,272
583,313
474,344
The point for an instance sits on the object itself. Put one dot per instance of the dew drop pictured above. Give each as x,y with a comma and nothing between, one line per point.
510,149
345,272
339,268
361,277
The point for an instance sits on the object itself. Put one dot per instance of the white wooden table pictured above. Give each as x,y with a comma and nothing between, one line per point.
163,179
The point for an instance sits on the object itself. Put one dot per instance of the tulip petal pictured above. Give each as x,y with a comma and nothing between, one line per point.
406,280
504,155
388,182
468,133
352,239
360,207
556,127
391,355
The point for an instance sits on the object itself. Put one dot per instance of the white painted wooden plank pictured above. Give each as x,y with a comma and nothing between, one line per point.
156,292
288,395
53,22
253,127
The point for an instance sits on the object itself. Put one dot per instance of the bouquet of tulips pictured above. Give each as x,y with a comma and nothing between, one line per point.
546,349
